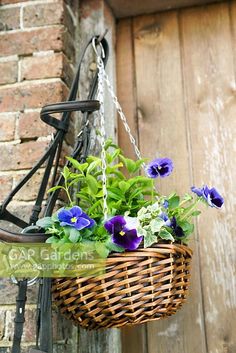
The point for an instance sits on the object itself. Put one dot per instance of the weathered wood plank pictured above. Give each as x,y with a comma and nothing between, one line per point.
133,339
126,83
209,76
163,132
124,8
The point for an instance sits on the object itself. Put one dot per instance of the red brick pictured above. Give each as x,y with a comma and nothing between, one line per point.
35,67
42,14
9,72
30,190
5,186
9,18
7,127
21,156
31,95
31,126
27,42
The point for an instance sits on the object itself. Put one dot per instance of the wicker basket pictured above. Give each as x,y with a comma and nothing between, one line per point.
138,286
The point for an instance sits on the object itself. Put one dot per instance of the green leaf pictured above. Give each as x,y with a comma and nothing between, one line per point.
45,222
93,165
119,174
52,240
66,172
108,143
99,194
101,249
74,235
55,188
83,196
139,163
67,230
173,201
187,227
164,234
124,186
139,179
156,224
115,154
80,166
92,184
113,247
149,239
129,164
136,193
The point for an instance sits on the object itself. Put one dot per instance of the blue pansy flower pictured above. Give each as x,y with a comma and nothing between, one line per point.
159,167
165,204
75,217
212,196
123,231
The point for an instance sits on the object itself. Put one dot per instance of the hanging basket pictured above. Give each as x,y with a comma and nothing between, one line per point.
138,286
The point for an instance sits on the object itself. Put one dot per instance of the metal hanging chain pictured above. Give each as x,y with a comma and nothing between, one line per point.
122,116
103,77
100,97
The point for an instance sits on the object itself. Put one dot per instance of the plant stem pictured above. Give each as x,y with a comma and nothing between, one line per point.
68,194
183,202
153,188
191,209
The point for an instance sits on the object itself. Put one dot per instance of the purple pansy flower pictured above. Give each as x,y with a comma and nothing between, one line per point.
75,217
159,167
172,223
123,231
179,233
212,196
197,191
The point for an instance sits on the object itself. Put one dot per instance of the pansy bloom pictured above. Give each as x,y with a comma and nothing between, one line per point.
123,231
212,196
75,217
179,233
172,223
159,167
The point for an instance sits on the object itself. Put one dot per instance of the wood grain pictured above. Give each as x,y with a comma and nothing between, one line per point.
133,339
124,8
209,76
185,64
163,132
126,85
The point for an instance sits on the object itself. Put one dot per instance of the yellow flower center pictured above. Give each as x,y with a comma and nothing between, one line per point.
122,233
73,220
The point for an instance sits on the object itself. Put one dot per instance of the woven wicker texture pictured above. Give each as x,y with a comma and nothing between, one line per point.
138,286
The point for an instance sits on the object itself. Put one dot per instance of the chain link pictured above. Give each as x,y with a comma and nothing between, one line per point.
100,97
103,77
122,116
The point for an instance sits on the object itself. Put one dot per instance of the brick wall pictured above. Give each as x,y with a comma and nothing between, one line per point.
36,65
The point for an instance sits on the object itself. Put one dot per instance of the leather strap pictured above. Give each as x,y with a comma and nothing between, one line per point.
20,315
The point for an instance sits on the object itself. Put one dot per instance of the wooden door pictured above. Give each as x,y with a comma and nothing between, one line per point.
176,83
